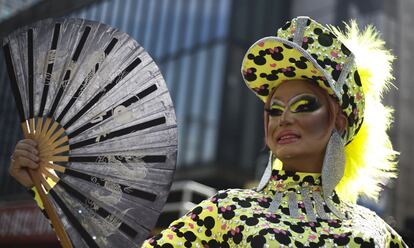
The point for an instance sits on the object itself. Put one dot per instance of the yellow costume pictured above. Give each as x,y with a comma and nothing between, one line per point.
243,218
298,209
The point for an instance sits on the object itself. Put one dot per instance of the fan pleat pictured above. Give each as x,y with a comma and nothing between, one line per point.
30,66
121,132
75,236
96,226
13,81
99,45
129,160
51,56
131,185
100,112
146,195
104,202
109,113
109,196
76,199
67,75
75,223
118,114
140,141
87,79
100,94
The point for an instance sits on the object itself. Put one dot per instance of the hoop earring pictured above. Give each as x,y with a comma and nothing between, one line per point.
333,164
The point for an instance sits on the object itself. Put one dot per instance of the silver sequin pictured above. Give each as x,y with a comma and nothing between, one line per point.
274,205
333,164
293,205
300,30
319,205
308,205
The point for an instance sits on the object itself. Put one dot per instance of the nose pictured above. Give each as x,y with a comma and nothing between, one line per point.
286,118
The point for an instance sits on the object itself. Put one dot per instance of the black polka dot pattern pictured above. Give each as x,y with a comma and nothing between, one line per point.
241,218
318,55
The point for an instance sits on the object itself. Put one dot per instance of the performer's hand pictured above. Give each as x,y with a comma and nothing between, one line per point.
24,157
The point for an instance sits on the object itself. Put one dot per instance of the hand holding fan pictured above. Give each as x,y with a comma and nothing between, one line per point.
98,107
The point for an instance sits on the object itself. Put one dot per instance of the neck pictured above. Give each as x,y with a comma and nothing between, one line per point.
312,165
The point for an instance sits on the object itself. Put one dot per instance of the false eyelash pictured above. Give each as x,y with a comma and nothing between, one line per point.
272,112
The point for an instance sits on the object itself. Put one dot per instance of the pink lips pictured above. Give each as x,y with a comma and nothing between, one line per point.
287,137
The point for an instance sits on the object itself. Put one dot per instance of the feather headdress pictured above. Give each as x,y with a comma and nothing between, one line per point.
370,157
354,67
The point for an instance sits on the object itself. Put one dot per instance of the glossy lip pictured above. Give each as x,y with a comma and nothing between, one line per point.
294,138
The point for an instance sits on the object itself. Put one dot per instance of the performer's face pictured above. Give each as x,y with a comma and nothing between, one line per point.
300,123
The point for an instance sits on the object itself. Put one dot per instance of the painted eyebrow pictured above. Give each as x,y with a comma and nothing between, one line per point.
297,97
301,96
277,102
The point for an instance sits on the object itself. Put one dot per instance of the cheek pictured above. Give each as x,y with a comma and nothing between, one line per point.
315,125
272,126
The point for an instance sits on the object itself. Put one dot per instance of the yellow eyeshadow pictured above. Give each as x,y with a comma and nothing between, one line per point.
295,105
278,107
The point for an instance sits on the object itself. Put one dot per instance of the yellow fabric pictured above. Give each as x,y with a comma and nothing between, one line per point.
305,49
36,197
320,56
241,218
192,233
370,157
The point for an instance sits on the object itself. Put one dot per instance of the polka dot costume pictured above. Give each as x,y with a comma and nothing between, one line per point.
246,218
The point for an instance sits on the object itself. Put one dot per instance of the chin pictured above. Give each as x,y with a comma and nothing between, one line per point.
288,153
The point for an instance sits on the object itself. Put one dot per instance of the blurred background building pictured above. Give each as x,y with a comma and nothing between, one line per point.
199,45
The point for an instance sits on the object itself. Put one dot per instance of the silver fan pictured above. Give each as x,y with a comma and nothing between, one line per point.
101,113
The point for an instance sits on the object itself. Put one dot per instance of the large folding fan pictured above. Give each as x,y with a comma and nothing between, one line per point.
100,111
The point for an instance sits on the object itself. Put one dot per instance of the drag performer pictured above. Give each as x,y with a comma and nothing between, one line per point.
326,130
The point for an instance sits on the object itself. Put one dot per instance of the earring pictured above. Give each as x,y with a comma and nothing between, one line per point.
333,164
267,173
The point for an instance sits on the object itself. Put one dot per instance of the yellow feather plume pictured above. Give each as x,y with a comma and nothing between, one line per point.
370,157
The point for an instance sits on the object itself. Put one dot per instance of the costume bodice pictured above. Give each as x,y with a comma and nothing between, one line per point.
288,211
301,194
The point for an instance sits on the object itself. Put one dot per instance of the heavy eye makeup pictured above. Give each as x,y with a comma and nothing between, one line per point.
298,104
304,103
276,108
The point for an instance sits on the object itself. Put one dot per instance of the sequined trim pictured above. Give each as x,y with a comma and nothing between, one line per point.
308,204
293,205
266,175
319,205
274,205
333,164
342,77
300,30
294,188
334,210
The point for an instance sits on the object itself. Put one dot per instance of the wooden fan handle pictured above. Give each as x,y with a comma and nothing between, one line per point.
36,177
57,224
